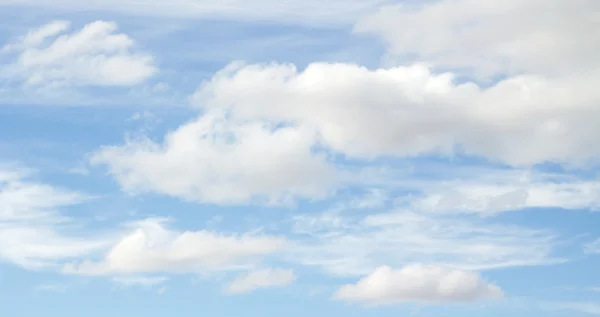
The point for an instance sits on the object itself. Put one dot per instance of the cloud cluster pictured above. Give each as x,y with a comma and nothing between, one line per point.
95,55
413,110
273,134
418,283
268,120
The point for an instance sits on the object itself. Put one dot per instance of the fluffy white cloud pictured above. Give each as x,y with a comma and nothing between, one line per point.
265,278
494,36
407,111
332,12
94,55
418,283
213,160
346,246
154,248
32,230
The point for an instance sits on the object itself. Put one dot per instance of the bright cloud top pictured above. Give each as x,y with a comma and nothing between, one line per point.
95,55
268,120
418,283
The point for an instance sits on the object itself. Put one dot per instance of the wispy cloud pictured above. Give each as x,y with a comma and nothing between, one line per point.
332,13
32,229
592,308
265,278
355,247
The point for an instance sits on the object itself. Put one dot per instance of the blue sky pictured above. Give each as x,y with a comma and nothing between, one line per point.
262,158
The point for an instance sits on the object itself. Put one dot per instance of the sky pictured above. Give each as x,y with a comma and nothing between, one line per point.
299,158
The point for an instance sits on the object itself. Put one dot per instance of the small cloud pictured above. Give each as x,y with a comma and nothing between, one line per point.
419,284
266,278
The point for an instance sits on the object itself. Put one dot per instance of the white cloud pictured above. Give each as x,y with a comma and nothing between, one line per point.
37,36
409,111
152,248
32,229
345,246
418,283
265,278
38,247
23,199
332,12
494,36
95,55
214,160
